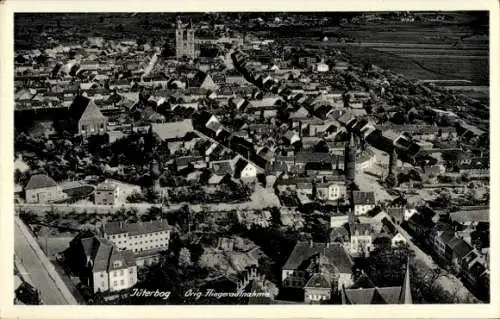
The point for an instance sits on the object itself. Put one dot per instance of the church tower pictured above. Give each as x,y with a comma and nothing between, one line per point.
393,162
184,41
350,160
393,166
155,173
405,295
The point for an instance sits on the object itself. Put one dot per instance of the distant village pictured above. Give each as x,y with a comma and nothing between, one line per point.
242,164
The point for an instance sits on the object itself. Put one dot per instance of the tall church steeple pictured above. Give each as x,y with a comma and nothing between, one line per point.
405,296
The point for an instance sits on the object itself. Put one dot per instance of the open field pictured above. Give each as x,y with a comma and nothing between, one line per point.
419,51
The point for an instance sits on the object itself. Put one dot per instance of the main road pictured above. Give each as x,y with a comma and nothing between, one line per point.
50,291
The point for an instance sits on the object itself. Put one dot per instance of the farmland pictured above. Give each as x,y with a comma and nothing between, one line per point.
419,51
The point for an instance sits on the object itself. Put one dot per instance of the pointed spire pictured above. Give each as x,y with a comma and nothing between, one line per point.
351,139
405,296
92,111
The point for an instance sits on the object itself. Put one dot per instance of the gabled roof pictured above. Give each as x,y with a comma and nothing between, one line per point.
366,296
103,253
239,165
40,181
335,253
459,246
92,112
221,168
318,281
396,212
172,130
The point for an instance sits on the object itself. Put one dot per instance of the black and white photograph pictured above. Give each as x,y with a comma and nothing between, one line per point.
251,158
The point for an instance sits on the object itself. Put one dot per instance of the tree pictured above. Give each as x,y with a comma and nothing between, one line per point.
184,257
391,181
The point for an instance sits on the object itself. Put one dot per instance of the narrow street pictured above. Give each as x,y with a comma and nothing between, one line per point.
50,291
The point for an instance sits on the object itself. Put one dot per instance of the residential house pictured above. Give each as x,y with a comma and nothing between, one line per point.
101,265
244,170
398,240
420,224
291,137
144,239
322,67
459,249
451,248
361,239
305,260
331,191
43,189
363,202
473,267
323,282
106,193
380,295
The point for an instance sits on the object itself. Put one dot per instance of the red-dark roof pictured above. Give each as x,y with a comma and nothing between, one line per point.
363,198
136,228
40,181
335,254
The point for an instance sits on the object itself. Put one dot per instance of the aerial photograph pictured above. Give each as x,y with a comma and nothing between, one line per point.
251,158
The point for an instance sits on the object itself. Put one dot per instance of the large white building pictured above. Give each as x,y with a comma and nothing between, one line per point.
106,267
144,239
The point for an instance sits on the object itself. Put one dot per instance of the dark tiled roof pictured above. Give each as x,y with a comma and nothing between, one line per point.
387,295
40,181
363,198
396,212
136,228
222,168
459,247
318,281
388,226
239,166
306,157
186,160
103,253
419,219
446,236
335,254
